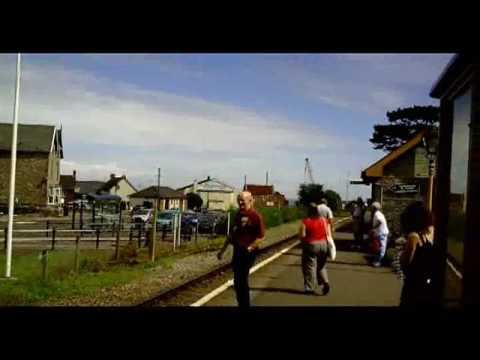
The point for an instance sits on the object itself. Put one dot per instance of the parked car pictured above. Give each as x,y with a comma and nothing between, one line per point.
189,218
209,220
165,218
78,204
142,216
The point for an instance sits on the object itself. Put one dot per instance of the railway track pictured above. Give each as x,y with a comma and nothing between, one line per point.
193,289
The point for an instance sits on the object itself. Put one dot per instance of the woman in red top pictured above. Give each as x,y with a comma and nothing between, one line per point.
313,233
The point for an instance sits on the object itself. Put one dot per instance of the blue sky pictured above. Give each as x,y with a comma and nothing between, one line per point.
223,115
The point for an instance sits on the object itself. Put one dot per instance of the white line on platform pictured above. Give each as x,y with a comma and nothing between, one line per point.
229,283
458,273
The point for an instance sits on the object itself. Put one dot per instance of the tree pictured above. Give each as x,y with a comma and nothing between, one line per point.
334,200
194,201
403,124
308,193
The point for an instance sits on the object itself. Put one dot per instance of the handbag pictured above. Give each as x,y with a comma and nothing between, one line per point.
332,251
374,244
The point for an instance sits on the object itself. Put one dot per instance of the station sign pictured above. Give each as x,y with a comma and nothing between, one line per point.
405,188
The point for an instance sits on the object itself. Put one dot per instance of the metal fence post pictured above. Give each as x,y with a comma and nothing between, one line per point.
179,229
77,254
139,236
73,215
54,230
5,232
196,233
228,223
44,265
98,238
117,246
81,216
174,231
113,228
213,227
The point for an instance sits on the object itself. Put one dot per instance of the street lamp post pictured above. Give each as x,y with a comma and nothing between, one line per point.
13,167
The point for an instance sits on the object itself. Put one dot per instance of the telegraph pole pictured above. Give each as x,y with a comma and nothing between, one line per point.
348,184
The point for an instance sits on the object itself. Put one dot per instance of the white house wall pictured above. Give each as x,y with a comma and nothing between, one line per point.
124,190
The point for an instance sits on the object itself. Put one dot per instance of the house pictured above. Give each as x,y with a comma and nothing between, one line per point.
88,187
216,195
69,187
39,152
265,196
120,186
399,178
169,198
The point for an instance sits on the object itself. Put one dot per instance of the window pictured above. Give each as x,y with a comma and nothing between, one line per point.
459,175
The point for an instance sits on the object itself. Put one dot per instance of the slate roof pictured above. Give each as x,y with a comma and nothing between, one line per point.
258,190
152,193
87,187
30,138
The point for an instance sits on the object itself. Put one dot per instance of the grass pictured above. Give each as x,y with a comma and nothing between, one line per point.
342,213
29,287
97,268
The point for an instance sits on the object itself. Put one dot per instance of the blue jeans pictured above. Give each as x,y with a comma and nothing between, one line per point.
382,238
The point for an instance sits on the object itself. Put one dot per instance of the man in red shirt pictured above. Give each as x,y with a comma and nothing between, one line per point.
247,233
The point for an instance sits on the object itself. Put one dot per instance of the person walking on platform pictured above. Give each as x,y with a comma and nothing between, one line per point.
324,211
357,217
418,258
367,225
380,232
313,234
248,232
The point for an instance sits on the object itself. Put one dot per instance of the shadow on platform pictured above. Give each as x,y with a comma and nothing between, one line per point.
280,290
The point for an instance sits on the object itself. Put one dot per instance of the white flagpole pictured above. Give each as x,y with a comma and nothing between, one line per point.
12,172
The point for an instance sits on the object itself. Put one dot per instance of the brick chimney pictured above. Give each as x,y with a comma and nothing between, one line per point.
74,177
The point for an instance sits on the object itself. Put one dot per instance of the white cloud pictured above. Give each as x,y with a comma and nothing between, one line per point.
369,83
97,111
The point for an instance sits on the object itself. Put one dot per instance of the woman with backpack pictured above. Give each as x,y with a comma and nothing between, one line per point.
419,256
314,233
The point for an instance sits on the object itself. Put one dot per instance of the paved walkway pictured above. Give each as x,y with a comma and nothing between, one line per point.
353,282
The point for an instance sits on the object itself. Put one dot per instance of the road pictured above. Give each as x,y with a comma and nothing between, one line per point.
353,282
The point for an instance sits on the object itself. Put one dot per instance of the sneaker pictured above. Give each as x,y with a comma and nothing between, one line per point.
326,288
376,264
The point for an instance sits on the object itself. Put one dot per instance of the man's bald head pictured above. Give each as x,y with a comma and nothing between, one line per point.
245,200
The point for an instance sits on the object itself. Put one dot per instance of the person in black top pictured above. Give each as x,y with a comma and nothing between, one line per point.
419,257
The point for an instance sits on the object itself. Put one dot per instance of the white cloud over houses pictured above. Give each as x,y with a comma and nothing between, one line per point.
188,137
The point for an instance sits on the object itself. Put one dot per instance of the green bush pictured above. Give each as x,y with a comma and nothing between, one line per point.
271,217
275,216
129,254
92,265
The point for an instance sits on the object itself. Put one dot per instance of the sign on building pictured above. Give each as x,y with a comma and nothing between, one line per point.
405,188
